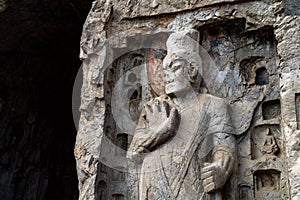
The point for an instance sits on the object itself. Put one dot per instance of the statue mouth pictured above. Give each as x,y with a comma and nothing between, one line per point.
170,85
169,81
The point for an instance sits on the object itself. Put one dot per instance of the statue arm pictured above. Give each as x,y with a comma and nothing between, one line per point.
216,173
157,123
224,157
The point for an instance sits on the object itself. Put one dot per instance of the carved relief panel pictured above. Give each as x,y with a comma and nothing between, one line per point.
236,68
127,105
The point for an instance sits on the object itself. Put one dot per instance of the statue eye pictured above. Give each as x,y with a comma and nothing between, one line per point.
175,66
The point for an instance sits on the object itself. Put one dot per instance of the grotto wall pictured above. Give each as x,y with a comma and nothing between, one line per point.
251,61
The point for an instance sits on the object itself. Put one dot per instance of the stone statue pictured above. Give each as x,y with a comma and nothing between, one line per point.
269,146
184,139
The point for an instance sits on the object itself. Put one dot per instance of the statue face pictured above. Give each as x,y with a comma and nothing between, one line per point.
176,76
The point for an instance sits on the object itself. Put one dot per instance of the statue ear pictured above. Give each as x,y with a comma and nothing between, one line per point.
193,71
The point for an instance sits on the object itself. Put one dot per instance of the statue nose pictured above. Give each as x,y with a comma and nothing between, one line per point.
169,75
169,79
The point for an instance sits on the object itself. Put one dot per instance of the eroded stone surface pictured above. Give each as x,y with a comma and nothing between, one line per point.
249,60
287,34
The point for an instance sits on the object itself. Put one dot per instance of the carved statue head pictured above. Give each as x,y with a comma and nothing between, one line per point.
182,65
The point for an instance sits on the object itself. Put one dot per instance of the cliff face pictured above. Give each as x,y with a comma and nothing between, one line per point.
252,62
39,61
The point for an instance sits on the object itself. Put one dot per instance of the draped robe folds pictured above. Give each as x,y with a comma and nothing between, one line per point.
173,169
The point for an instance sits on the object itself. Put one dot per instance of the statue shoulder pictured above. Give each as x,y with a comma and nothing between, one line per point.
212,99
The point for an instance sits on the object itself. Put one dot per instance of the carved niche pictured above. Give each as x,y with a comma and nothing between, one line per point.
267,184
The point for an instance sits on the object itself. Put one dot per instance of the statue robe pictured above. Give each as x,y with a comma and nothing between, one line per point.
173,170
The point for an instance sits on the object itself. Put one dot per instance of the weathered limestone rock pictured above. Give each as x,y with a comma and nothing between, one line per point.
249,52
287,34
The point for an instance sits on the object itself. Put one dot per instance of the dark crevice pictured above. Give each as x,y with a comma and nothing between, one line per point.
39,62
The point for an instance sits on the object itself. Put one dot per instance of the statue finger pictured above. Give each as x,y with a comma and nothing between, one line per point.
209,187
164,107
206,164
148,109
173,114
227,161
155,106
174,119
208,168
208,180
206,175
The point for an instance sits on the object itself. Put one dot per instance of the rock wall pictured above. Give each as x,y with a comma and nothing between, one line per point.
253,63
287,34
